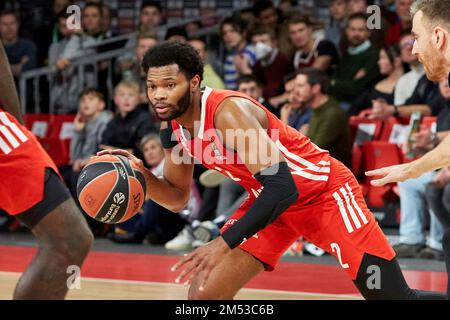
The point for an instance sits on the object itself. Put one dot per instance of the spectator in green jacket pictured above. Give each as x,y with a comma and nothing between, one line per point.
328,126
358,68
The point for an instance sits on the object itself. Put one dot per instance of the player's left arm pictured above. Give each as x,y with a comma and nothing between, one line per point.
8,94
234,120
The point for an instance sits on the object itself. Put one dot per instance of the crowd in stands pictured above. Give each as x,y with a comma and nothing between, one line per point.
315,76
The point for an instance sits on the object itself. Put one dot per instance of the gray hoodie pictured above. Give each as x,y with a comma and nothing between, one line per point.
85,142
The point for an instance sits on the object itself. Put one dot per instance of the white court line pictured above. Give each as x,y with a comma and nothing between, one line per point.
164,284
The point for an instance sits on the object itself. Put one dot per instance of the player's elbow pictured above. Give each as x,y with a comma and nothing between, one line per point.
179,204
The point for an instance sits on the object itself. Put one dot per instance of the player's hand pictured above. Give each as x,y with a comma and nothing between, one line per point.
200,262
120,152
397,173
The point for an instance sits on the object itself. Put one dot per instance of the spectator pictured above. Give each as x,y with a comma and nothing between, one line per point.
251,86
403,23
89,125
271,65
192,27
150,16
176,34
407,83
358,69
21,52
391,67
130,124
106,22
429,186
79,45
240,57
328,127
155,222
438,192
293,112
210,77
310,51
338,13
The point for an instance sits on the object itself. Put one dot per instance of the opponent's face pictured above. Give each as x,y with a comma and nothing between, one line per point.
385,65
251,89
231,37
357,32
143,46
300,35
303,90
90,104
150,17
338,9
444,88
126,99
153,152
429,47
92,20
169,92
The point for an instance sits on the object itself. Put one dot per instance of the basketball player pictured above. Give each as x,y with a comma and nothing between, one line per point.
32,191
431,29
294,187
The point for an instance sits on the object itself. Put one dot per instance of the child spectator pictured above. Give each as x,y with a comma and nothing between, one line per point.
130,123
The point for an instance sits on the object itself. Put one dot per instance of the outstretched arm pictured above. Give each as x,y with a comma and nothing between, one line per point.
435,159
8,94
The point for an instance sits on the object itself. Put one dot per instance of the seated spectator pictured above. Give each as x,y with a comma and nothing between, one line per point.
293,112
155,222
338,13
438,192
240,57
251,86
271,65
89,125
192,27
21,52
310,51
414,192
176,34
130,124
407,82
425,99
210,77
358,69
403,23
328,127
391,68
79,45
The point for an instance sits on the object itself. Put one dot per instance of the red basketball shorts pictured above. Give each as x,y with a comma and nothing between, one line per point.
338,221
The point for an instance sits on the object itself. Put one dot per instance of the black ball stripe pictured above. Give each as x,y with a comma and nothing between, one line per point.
91,172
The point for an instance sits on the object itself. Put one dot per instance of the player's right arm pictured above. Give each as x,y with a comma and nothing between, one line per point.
8,94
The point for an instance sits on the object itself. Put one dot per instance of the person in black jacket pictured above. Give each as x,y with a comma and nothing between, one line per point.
130,124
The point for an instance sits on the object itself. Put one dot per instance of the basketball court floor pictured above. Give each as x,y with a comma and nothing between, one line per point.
122,272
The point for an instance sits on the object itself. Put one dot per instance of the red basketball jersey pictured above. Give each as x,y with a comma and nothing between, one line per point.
309,165
22,166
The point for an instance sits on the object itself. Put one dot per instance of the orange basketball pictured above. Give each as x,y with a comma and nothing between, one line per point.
111,189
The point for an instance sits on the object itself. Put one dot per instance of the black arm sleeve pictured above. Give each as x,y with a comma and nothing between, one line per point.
278,193
166,137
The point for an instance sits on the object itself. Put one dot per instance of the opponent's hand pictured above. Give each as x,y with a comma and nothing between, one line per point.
397,173
201,261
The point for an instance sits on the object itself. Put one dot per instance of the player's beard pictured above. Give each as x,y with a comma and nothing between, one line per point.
175,110
435,64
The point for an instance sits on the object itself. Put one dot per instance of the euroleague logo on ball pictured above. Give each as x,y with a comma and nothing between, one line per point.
119,198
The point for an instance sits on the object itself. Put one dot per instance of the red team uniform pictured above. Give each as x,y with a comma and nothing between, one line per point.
22,166
330,211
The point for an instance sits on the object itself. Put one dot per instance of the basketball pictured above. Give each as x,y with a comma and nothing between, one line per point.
111,189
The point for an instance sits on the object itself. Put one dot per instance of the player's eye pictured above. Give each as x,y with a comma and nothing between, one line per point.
171,85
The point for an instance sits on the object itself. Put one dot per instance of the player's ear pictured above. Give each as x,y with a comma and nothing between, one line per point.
195,83
438,37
